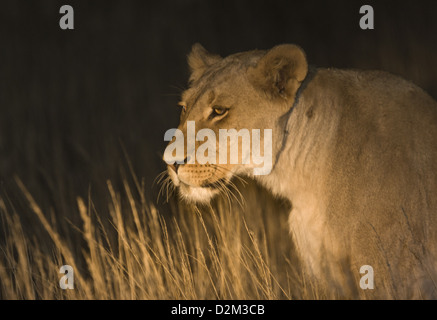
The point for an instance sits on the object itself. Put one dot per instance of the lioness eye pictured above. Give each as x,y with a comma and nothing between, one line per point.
183,106
218,111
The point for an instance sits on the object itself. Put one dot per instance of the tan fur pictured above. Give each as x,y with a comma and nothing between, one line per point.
358,165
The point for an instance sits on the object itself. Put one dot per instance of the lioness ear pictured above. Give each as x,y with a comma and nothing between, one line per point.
199,60
280,71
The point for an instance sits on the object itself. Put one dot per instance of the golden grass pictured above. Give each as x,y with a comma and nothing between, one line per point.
215,252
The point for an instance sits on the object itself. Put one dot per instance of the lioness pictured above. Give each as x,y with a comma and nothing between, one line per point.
355,153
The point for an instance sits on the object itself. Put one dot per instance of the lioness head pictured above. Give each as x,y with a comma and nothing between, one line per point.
244,91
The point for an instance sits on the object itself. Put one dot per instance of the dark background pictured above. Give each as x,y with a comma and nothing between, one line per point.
71,101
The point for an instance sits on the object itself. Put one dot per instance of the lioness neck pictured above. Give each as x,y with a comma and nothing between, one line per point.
304,160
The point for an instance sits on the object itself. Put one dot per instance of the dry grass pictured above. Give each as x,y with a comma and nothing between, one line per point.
215,252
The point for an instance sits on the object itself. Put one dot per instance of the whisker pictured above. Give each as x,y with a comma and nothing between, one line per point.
165,184
234,196
240,178
166,189
222,188
170,188
159,177
179,88
242,203
228,192
233,186
161,189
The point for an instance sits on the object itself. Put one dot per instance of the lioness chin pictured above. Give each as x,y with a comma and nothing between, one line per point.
355,153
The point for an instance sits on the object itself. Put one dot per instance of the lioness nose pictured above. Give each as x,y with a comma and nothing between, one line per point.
175,166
